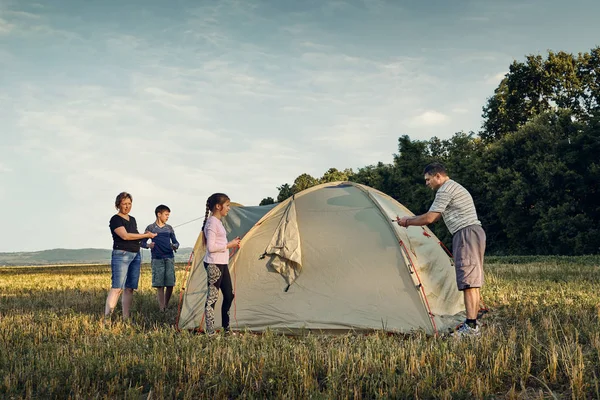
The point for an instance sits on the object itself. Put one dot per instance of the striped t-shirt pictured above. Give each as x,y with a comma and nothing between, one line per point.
456,205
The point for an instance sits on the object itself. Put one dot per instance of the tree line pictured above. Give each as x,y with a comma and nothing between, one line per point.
533,169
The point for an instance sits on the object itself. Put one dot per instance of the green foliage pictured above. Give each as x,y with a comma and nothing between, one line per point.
333,175
561,81
303,182
266,201
535,180
376,176
285,191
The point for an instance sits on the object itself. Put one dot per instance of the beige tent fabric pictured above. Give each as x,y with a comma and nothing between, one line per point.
353,273
284,250
239,221
434,267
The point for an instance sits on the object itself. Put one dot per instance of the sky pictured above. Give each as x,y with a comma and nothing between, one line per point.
174,100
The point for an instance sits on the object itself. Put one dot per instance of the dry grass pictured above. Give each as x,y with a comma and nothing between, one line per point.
541,340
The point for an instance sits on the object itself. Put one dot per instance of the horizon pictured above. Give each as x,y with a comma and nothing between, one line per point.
80,248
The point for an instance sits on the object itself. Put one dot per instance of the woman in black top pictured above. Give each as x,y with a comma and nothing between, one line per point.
126,259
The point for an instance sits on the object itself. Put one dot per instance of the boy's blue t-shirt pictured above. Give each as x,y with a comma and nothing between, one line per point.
165,236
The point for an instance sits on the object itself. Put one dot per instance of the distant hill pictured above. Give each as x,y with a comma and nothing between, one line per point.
75,256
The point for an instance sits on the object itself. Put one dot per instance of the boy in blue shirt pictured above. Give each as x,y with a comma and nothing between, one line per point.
163,258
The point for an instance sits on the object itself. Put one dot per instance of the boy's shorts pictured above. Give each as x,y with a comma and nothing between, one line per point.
163,272
468,246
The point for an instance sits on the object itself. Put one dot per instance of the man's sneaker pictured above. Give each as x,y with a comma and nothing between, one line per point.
466,331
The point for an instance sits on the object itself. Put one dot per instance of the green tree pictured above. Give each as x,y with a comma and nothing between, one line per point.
376,176
333,175
538,183
561,81
407,184
266,201
588,70
303,182
285,191
523,93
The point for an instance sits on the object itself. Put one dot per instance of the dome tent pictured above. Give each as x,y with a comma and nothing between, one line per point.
331,258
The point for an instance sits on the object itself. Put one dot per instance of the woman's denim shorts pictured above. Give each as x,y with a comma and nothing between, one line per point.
125,266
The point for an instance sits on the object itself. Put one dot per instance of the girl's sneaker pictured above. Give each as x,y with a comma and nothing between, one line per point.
229,332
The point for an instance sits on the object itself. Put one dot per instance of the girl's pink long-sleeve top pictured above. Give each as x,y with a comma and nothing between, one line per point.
216,242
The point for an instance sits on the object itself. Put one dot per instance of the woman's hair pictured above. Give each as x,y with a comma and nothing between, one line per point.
120,197
211,203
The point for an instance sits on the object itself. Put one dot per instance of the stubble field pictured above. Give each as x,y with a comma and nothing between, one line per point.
540,340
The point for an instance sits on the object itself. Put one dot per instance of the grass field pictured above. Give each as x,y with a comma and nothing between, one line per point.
541,340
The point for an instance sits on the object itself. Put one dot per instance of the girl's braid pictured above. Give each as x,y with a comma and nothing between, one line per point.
204,223
205,216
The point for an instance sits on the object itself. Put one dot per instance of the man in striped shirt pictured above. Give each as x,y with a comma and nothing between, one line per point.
454,203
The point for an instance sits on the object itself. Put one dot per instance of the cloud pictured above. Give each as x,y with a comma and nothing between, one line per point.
186,162
475,18
123,42
212,100
460,110
353,133
335,6
6,58
169,99
4,169
5,26
21,14
494,79
28,24
31,27
293,109
315,46
375,6
295,29
486,57
430,118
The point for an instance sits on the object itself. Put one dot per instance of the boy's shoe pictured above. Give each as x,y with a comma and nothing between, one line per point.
465,330
106,320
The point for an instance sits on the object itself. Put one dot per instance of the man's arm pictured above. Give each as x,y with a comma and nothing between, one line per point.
419,220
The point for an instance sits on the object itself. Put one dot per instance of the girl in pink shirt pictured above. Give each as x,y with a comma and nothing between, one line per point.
216,260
